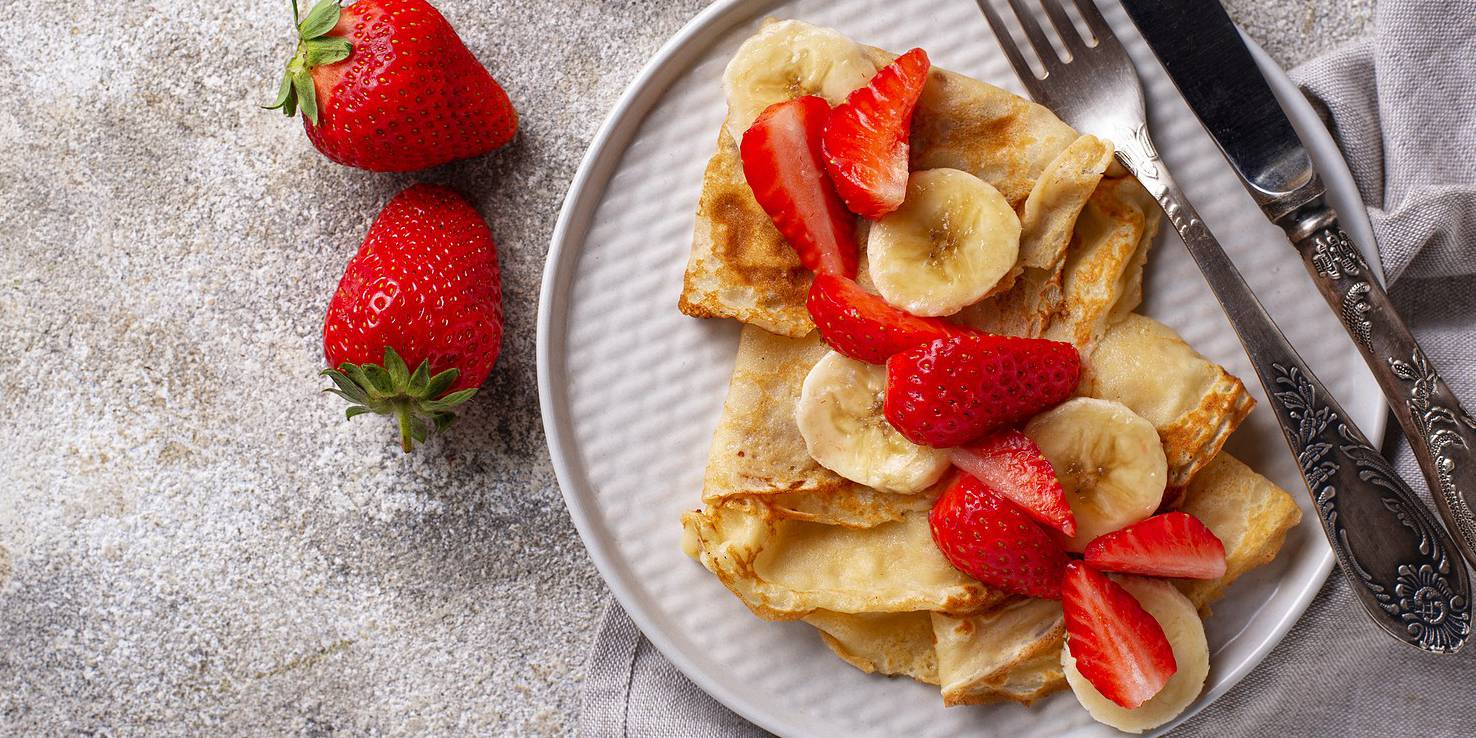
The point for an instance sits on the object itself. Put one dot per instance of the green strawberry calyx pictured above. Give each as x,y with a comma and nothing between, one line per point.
413,398
314,48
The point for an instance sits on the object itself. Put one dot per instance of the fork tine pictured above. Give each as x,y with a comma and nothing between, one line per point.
1006,41
1095,22
1043,47
1064,27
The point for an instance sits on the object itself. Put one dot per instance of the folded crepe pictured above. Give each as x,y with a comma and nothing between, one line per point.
1246,511
1193,402
978,655
1103,278
887,643
758,453
741,268
786,569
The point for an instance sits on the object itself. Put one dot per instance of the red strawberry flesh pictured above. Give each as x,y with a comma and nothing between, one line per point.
783,166
1013,466
865,139
954,390
1117,645
1174,544
864,326
989,538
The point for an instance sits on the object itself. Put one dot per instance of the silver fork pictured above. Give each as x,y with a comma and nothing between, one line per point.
1387,542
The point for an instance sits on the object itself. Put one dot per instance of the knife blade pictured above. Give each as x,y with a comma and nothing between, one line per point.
1205,56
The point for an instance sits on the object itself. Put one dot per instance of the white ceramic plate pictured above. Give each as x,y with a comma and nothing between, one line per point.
631,388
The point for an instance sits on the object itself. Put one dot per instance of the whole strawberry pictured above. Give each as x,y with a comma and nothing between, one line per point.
387,85
423,291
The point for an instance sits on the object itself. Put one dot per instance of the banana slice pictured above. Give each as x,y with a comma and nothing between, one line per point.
952,241
1108,459
840,417
787,59
1185,631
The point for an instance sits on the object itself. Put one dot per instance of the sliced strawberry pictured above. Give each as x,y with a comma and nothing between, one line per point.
987,537
954,390
866,138
1174,544
1009,463
1117,645
783,166
865,327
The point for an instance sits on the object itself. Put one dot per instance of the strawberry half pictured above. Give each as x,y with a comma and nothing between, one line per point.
987,537
866,137
1174,544
864,326
782,163
954,390
1013,466
1117,645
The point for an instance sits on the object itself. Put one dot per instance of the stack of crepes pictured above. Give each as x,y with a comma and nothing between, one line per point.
795,541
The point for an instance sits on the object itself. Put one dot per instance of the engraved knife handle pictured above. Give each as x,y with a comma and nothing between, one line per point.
1442,434
1400,562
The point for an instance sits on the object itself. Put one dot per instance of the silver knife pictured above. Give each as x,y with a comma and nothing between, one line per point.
1208,61
1205,56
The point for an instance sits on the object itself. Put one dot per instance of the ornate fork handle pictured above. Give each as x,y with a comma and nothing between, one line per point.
1442,434
1398,558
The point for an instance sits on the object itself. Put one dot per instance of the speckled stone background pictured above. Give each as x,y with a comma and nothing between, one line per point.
192,541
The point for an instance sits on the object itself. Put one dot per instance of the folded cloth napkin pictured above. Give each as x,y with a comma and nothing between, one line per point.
1402,105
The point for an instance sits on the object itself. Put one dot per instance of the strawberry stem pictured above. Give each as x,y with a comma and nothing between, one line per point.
314,48
402,412
420,403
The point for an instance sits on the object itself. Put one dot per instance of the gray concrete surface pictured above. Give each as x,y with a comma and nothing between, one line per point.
192,541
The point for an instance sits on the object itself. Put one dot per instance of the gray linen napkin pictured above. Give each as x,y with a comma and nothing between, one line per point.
1403,107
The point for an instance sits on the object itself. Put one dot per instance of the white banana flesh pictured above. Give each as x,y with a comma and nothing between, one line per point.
790,59
950,244
1108,459
840,416
1180,622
